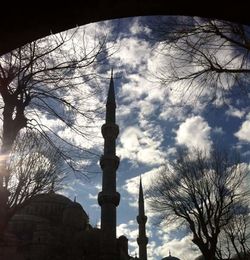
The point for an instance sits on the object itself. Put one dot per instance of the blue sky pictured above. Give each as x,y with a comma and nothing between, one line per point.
152,123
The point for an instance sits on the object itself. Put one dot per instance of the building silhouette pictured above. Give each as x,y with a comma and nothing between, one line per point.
51,226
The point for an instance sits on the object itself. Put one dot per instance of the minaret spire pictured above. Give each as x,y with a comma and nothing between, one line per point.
109,198
141,200
111,104
142,239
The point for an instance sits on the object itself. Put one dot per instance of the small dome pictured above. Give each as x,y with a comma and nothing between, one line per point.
123,238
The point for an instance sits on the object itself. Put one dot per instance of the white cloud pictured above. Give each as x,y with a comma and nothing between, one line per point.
139,146
92,197
129,230
182,248
132,185
170,112
194,133
218,130
244,132
149,155
130,139
234,112
126,229
133,89
132,52
146,107
138,86
137,27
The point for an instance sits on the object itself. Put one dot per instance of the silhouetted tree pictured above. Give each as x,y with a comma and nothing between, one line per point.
234,240
203,191
203,54
238,233
34,167
50,78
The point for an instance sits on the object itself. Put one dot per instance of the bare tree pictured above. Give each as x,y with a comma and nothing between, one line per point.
34,167
51,78
202,191
203,54
234,240
48,78
238,233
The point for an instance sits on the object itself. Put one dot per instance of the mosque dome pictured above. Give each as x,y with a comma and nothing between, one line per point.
47,205
170,258
55,208
49,211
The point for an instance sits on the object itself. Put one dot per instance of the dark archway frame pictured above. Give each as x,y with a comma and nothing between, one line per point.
22,23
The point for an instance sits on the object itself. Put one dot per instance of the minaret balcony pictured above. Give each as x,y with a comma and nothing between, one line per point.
109,162
110,130
141,219
105,198
142,240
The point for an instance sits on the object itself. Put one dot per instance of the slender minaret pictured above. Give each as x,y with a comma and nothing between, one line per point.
109,198
142,239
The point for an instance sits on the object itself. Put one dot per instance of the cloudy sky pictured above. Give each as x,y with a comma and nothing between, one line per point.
153,120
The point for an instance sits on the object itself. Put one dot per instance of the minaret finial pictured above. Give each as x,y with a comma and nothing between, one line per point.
111,92
169,253
112,73
141,199
52,187
111,104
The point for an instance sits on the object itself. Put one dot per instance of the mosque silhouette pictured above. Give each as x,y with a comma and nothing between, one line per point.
51,226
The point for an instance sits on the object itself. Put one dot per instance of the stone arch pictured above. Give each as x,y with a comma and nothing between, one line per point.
24,23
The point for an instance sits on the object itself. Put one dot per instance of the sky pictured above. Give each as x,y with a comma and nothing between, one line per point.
153,121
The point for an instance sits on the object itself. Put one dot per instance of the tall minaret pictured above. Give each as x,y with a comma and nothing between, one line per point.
109,198
142,239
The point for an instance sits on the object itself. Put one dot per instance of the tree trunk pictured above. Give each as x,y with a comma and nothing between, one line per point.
208,253
4,210
13,122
